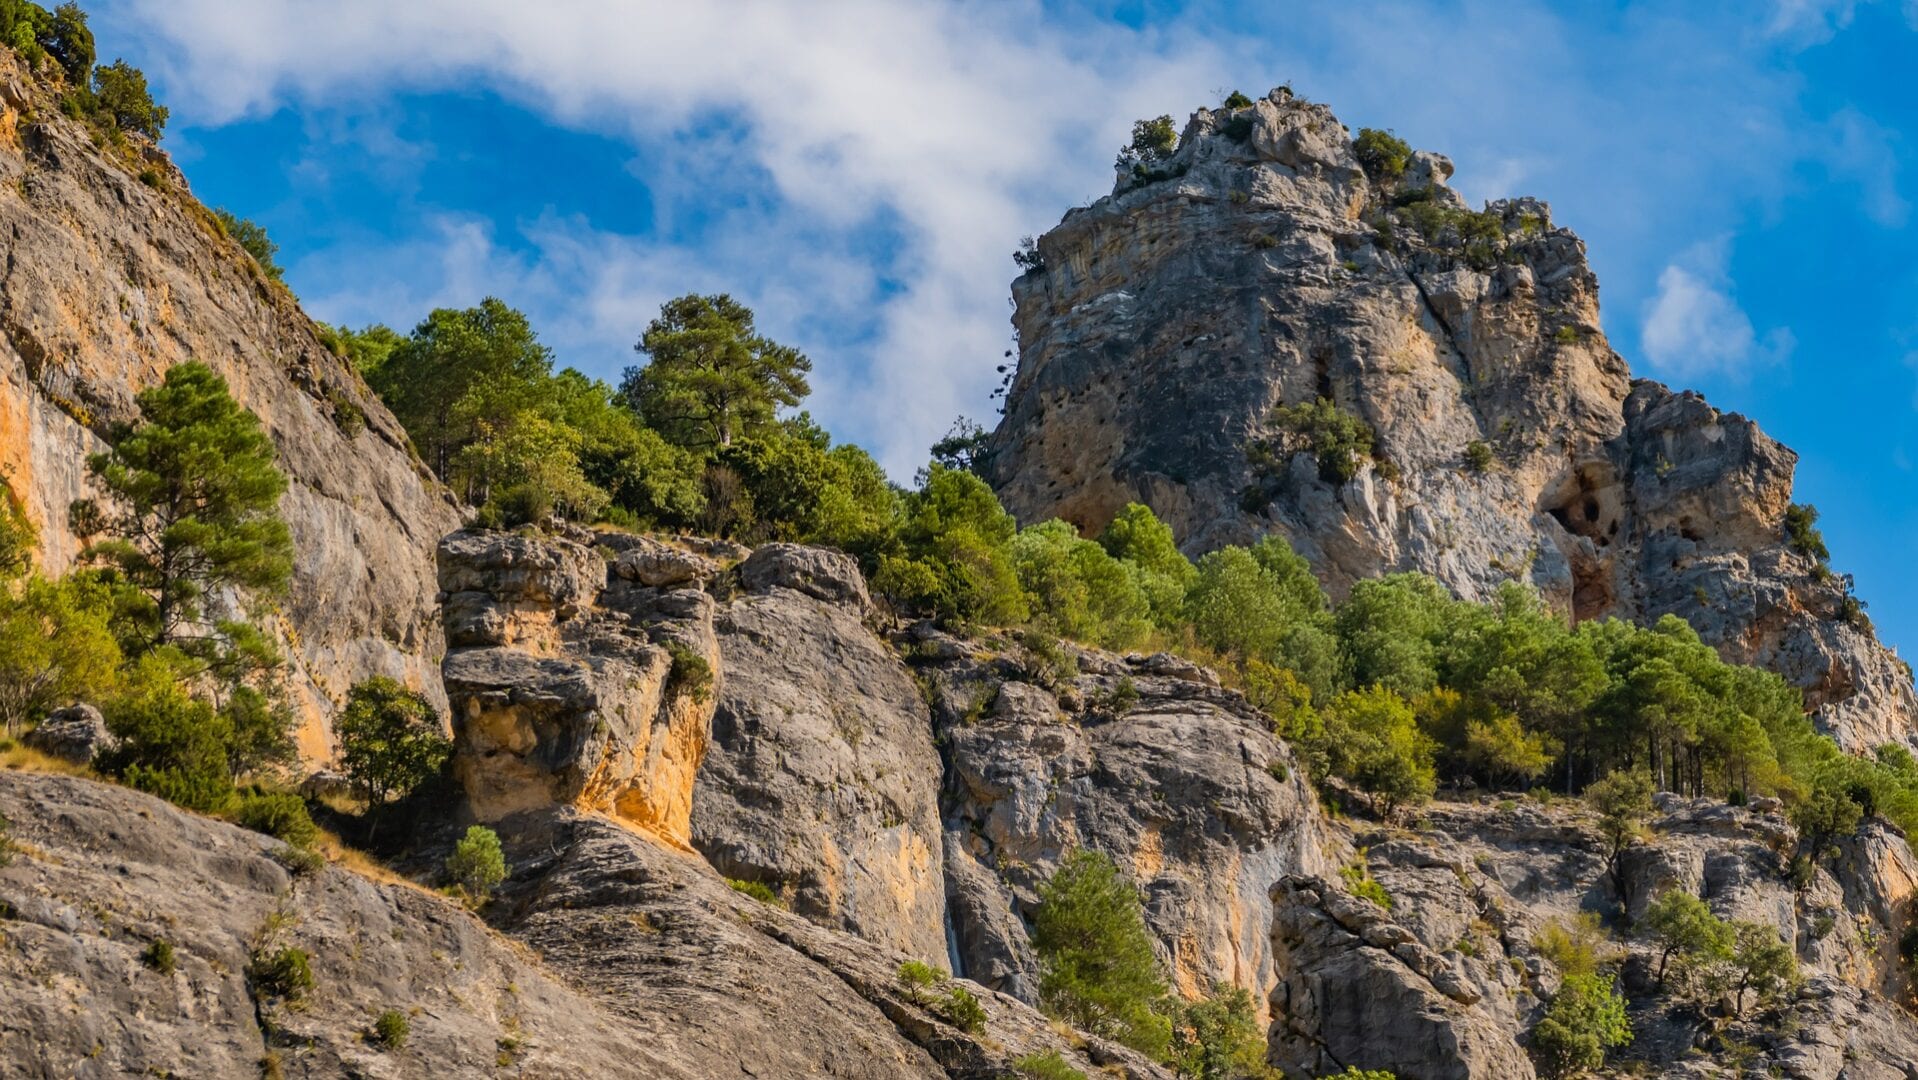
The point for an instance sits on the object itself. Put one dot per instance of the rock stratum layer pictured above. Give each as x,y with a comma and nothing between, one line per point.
112,274
1171,317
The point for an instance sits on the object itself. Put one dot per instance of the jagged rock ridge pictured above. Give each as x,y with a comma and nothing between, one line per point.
1172,316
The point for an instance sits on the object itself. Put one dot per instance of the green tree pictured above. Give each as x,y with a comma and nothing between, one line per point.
259,731
1219,1038
1137,536
1684,927
253,240
1389,629
390,740
367,348
1381,154
1098,971
69,41
804,489
122,99
170,743
710,377
1341,442
1264,604
953,558
56,647
1153,142
1078,589
1623,801
1500,748
197,495
1762,964
1829,815
963,447
477,865
1586,1018
1374,741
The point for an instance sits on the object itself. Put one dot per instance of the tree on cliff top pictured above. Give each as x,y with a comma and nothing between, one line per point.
710,376
198,495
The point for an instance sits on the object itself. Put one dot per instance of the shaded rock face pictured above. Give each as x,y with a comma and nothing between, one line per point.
108,282
1173,316
1181,783
564,682
1449,982
821,778
103,872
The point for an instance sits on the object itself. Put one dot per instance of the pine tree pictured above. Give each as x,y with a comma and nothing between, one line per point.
198,494
710,376
1097,968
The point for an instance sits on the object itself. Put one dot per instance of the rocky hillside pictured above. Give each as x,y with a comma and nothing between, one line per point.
114,273
1261,266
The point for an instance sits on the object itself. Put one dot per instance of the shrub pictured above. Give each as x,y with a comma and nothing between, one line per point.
917,978
391,1029
1586,1018
1478,456
1566,335
1027,258
1218,1038
1237,100
758,890
1373,740
1353,1072
390,740
522,504
963,1009
1046,1066
1801,532
690,675
1571,944
477,865
159,956
1360,883
1341,441
1097,967
1153,141
253,240
284,974
280,814
1381,154
122,99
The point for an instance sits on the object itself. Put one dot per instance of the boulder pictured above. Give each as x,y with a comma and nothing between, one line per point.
77,733
650,562
820,573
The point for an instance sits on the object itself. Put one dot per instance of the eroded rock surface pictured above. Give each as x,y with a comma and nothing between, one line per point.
108,282
1172,316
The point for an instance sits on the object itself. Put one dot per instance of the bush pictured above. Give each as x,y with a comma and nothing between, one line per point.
1801,532
159,956
477,865
391,1029
1237,100
1341,441
1360,883
280,814
1218,1038
1046,1066
1381,154
253,240
390,740
963,1009
1080,590
1097,968
7,845
1478,456
690,675
758,890
1586,1018
122,99
1374,741
286,974
918,978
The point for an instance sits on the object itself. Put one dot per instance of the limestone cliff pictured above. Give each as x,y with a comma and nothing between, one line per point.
114,273
1261,266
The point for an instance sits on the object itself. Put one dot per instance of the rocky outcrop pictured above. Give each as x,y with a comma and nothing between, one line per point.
571,685
1262,268
77,733
821,778
1181,783
620,958
114,273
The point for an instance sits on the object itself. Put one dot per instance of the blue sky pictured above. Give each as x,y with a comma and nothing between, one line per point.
859,171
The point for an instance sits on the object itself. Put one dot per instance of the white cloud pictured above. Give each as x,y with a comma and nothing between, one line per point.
1694,327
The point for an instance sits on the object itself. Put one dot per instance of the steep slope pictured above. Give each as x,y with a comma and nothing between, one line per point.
1262,267
112,274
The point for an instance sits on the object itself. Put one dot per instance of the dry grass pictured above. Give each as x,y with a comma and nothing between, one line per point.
26,759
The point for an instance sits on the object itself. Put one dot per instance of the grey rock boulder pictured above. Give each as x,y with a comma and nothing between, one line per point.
820,573
77,733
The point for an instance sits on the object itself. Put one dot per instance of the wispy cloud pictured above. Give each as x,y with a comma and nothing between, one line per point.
1694,326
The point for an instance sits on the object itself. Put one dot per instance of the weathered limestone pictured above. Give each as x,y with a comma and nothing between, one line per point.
1172,316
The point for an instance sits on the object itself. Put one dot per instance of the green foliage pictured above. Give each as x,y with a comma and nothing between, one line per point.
1762,965
285,974
391,1029
1340,441
1218,1038
710,377
56,646
1478,456
802,489
61,35
964,445
1153,141
1381,154
1686,930
1623,801
1079,589
197,495
1046,1066
477,865
1264,604
1237,100
390,740
171,744
1500,748
7,845
1135,535
690,675
280,814
1360,883
758,890
253,240
1586,1018
1353,1072
1829,815
121,99
962,1007
953,557
1097,968
1801,532
1374,741
1572,945
158,955
920,978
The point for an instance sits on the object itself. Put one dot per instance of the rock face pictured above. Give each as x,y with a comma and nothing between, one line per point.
1181,783
1171,317
820,780
108,282
572,686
